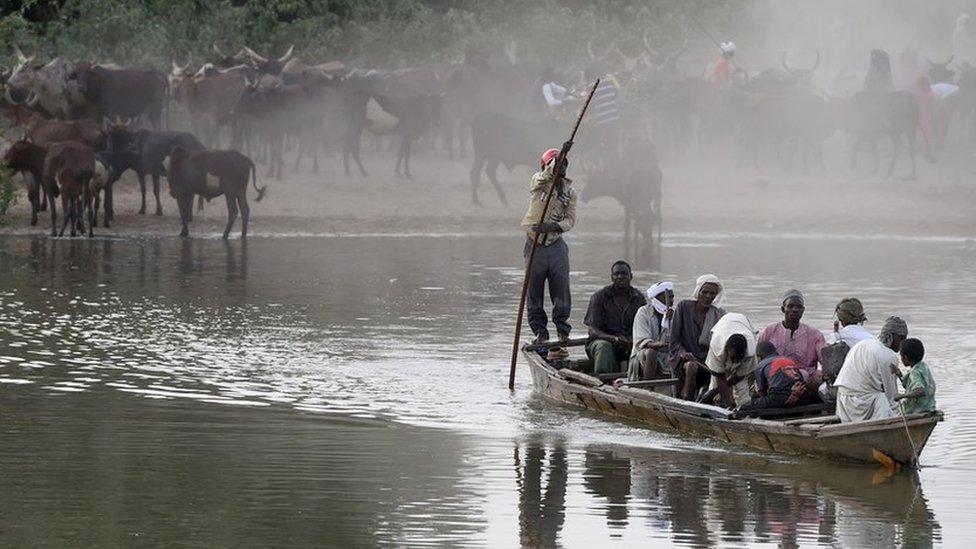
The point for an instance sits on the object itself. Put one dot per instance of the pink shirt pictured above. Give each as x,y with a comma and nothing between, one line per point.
801,345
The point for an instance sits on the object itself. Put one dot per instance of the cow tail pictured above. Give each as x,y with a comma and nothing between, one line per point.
254,181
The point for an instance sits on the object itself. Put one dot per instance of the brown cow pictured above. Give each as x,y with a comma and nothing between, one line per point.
213,96
27,158
71,166
48,132
211,174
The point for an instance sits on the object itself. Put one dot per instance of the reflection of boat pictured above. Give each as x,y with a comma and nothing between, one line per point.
821,436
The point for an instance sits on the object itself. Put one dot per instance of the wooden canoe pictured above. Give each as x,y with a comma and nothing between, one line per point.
821,437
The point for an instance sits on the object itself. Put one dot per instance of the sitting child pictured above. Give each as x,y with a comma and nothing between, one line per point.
919,386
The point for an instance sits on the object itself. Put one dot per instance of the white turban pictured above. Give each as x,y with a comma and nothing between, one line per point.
728,47
706,279
658,305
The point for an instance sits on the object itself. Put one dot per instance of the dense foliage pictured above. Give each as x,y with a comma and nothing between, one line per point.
368,32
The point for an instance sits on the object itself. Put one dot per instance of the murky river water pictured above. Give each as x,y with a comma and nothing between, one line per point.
324,391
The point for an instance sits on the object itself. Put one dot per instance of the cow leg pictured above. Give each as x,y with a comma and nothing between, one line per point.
475,176
79,214
492,171
54,215
90,206
231,213
896,150
399,159
159,205
142,189
93,218
199,206
66,206
406,158
184,203
911,155
245,213
35,201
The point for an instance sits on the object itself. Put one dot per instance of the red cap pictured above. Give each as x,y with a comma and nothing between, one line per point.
548,156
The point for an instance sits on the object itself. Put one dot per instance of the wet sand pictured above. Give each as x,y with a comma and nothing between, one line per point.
695,198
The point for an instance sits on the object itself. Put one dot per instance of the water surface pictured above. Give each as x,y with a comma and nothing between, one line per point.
304,390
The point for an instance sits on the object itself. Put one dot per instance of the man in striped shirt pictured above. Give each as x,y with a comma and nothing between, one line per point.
604,112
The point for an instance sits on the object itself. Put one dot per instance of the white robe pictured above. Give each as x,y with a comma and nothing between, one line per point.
865,386
718,363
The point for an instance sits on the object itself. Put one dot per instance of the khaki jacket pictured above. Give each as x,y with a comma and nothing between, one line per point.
562,209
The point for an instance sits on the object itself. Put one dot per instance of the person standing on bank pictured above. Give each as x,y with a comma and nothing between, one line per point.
551,262
610,319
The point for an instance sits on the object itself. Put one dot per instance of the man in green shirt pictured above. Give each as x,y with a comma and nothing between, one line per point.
919,386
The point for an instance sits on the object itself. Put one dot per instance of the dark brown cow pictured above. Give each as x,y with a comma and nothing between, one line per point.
27,158
71,166
210,174
128,93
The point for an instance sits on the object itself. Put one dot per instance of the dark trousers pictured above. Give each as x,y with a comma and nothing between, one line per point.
550,264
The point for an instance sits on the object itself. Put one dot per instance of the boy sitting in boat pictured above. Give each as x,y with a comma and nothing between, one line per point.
610,319
779,381
919,395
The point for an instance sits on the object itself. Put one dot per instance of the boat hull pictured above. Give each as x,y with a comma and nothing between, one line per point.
854,442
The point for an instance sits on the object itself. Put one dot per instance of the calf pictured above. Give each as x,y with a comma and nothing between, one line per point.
143,152
28,158
48,132
71,166
210,174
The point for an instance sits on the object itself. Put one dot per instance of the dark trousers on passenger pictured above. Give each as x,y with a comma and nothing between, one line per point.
551,264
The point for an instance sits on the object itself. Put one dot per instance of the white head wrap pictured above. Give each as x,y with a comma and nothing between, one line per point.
658,305
727,47
706,279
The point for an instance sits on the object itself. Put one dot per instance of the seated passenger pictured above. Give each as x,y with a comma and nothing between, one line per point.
794,339
732,358
652,326
919,386
691,333
610,318
866,387
850,316
779,381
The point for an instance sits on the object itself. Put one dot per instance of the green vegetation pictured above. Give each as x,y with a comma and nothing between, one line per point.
383,33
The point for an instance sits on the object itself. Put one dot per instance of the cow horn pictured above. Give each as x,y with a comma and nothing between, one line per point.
786,66
816,64
176,68
20,55
254,56
287,54
217,50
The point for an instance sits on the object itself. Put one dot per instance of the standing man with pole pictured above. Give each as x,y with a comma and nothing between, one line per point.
551,262
541,225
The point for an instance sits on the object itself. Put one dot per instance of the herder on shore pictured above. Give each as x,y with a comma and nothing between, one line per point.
551,261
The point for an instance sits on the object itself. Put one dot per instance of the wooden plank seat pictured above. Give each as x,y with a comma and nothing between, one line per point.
826,408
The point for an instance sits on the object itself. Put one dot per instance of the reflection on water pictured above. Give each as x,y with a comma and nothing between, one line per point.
158,382
703,501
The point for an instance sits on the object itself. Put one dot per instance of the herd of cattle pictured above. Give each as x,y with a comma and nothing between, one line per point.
76,145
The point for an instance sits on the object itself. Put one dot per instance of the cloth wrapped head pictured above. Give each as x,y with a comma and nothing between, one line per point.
727,47
710,279
850,311
893,326
793,294
658,290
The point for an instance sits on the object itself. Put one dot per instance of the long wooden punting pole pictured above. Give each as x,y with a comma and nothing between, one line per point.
558,172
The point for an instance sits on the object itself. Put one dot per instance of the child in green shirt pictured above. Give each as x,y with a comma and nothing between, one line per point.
919,395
